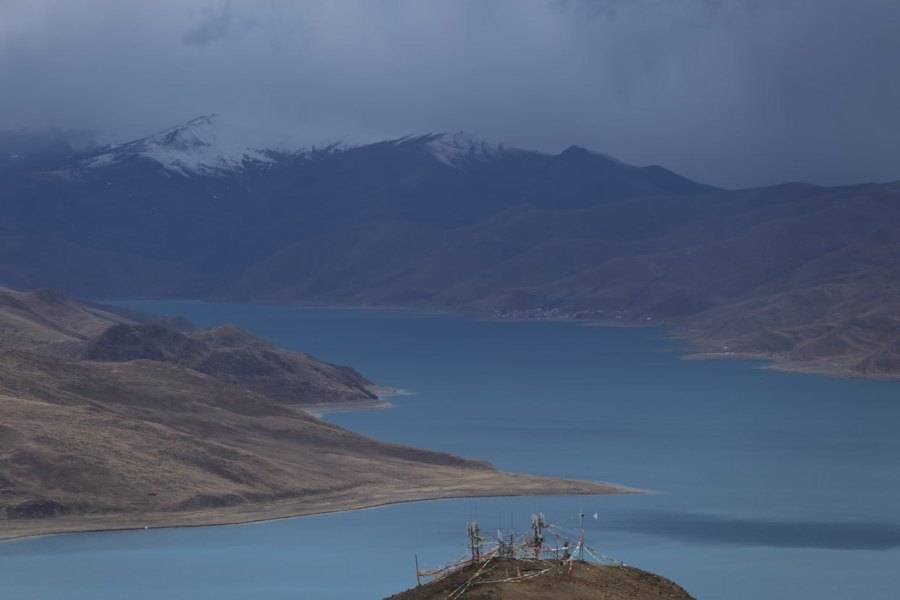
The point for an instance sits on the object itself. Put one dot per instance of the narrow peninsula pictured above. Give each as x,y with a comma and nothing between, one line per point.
112,420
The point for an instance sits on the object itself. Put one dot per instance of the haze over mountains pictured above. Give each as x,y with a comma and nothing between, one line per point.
803,274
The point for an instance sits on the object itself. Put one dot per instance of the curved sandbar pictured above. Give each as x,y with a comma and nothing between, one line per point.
439,486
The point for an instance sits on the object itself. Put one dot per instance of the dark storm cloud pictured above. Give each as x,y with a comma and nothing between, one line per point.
215,23
734,92
215,26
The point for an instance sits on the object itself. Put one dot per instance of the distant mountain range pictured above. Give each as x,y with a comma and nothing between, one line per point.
802,274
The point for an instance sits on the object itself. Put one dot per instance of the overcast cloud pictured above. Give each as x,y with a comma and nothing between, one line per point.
731,92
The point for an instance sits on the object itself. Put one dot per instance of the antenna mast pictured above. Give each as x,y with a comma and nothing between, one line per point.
537,533
581,540
474,540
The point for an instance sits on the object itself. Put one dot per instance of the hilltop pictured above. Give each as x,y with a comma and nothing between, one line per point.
587,581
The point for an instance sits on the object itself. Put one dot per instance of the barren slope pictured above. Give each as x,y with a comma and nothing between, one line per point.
50,323
238,357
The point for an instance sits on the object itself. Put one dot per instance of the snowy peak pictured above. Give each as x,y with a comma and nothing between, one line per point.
210,145
460,147
452,149
197,133
205,145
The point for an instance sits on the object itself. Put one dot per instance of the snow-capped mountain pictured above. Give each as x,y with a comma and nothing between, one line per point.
204,145
456,148
453,148
210,145
206,209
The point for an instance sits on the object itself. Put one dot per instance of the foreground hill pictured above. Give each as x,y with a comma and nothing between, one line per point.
585,582
802,274
144,425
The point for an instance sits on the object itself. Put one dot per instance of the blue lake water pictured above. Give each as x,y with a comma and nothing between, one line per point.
769,485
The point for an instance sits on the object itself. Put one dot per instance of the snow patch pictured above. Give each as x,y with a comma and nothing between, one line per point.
207,145
460,147
210,145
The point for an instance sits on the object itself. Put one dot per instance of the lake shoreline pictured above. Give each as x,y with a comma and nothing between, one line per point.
784,365
701,347
481,485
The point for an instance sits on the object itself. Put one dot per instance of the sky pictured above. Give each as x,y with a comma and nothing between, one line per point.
735,93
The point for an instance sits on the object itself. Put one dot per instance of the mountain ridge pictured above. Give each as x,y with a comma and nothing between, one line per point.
207,145
500,232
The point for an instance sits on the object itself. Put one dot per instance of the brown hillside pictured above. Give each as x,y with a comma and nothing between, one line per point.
49,323
172,428
235,356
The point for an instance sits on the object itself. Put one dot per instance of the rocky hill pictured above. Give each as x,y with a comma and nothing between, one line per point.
51,323
541,580
802,274
235,356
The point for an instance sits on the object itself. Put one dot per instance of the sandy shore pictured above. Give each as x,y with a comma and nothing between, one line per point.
321,409
696,347
478,484
839,369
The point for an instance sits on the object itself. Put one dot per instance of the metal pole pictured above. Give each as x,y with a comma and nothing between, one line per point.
581,544
418,581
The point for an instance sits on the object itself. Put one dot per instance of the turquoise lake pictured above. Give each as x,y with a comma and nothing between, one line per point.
767,485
